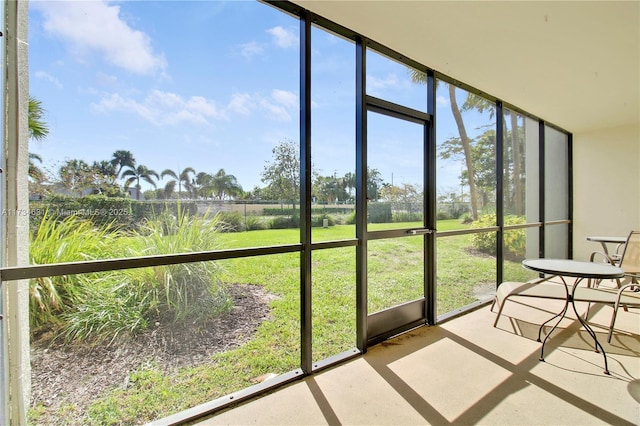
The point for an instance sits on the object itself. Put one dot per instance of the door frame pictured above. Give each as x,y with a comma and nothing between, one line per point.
396,319
371,329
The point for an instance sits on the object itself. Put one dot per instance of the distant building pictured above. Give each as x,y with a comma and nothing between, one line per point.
136,194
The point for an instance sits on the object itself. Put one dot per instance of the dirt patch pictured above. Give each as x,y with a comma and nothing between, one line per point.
64,375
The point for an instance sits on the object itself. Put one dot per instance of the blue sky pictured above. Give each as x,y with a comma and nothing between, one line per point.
207,85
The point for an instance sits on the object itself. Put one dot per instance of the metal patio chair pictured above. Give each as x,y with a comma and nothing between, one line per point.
628,291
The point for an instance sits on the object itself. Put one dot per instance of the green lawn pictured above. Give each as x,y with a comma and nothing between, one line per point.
395,276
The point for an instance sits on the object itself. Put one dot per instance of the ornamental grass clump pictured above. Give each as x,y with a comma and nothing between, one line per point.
101,307
58,240
187,291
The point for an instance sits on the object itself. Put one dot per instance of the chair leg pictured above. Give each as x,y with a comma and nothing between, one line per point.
500,306
613,321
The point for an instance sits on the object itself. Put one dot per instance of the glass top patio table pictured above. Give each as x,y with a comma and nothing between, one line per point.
573,268
580,270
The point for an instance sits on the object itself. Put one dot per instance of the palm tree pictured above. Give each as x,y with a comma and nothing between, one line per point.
135,173
225,185
76,176
120,159
38,129
105,168
203,184
34,171
104,174
180,178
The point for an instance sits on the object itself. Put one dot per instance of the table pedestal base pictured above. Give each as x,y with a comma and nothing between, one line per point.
561,315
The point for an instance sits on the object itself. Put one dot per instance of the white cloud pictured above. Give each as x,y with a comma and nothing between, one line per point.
115,102
382,83
106,80
96,27
48,77
285,98
283,38
275,111
277,106
163,108
441,100
167,108
241,103
251,49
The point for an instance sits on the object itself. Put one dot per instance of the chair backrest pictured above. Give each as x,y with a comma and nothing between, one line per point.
630,261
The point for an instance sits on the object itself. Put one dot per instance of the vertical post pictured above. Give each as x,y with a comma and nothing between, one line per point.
541,177
500,191
361,197
306,353
570,192
430,211
15,198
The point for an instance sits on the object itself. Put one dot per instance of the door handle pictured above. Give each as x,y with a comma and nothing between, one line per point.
420,231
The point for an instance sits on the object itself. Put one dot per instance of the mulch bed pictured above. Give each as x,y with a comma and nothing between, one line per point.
75,374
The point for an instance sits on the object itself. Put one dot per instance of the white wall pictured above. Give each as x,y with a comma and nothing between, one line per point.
606,167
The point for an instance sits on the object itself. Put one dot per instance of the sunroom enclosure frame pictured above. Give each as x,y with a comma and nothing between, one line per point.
15,271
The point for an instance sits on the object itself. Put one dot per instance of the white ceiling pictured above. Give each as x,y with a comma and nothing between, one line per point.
573,63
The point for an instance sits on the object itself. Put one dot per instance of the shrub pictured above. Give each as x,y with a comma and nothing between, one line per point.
351,218
119,213
318,220
230,221
285,222
442,215
514,240
467,219
404,216
270,211
379,213
255,223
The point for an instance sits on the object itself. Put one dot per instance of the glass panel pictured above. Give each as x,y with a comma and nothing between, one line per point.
395,82
521,169
466,270
466,157
144,118
532,169
556,179
395,272
519,244
133,346
395,150
333,140
334,302
521,193
556,241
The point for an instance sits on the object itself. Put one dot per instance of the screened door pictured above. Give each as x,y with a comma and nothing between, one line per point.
398,239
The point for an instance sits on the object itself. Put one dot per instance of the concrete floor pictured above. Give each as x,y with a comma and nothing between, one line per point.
465,371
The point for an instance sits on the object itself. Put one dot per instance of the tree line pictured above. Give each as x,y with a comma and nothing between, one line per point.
281,176
114,177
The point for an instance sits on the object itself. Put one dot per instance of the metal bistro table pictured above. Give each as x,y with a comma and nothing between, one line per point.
604,240
580,270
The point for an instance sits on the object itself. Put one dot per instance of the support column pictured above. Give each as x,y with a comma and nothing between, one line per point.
14,203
